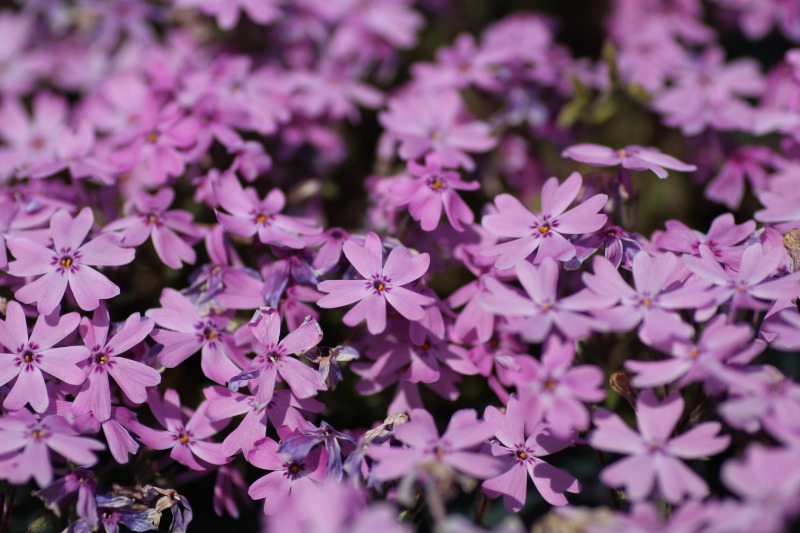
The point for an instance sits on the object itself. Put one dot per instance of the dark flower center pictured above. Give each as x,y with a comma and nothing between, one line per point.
38,434
544,229
378,285
28,356
521,455
152,137
66,262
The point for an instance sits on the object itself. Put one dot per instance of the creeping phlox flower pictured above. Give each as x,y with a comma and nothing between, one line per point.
290,476
27,357
250,216
274,358
187,440
654,455
544,231
464,433
431,189
25,441
523,459
105,359
381,283
151,219
67,263
631,157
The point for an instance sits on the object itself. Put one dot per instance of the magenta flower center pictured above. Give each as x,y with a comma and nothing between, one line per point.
436,183
380,284
293,469
38,434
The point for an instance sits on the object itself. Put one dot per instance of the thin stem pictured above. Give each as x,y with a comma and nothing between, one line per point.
481,506
614,496
7,513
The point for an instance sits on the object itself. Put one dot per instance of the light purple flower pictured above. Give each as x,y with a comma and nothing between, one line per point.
428,122
543,310
30,439
768,483
250,216
453,448
283,410
291,477
653,301
653,461
67,263
27,357
554,391
722,238
704,360
632,157
274,359
151,219
431,189
187,440
544,231
381,283
106,360
750,286
183,331
522,457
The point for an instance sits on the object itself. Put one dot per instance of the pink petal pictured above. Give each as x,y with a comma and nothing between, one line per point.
614,435
89,287
512,219
373,309
309,334
342,292
700,441
402,268
511,484
46,291
28,389
103,251
408,303
32,259
636,473
657,420
368,261
552,483
556,198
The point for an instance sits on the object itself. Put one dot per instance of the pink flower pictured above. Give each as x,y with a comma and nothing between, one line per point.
151,219
542,310
28,357
554,391
522,457
432,189
274,358
632,157
249,215
653,301
106,360
746,288
187,440
29,438
463,433
543,231
653,461
428,122
380,283
722,238
290,477
183,331
67,263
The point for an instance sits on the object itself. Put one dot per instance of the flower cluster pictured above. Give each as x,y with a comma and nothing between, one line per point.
259,250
